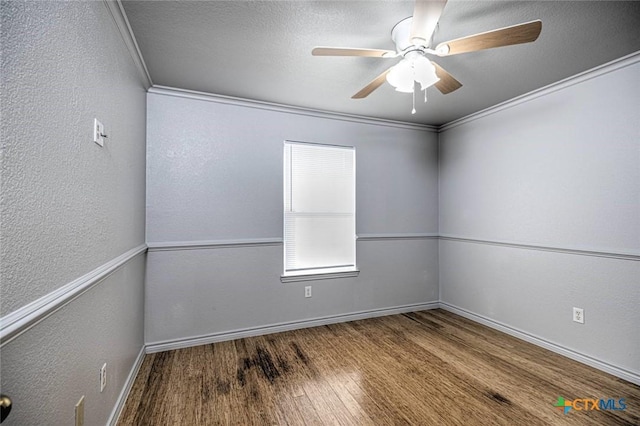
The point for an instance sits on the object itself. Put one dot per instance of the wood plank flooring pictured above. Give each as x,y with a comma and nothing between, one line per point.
423,368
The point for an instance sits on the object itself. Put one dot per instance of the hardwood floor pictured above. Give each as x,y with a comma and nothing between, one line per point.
423,368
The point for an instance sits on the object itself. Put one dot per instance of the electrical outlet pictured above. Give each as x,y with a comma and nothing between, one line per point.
98,132
103,377
80,412
578,315
307,291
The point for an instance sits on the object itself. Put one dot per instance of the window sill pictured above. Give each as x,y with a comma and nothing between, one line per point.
320,276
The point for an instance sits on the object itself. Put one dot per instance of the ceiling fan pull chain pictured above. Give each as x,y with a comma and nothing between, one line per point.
413,95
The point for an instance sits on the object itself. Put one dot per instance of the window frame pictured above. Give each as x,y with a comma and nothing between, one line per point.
318,273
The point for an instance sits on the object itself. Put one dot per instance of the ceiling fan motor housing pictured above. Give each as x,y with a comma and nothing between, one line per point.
401,36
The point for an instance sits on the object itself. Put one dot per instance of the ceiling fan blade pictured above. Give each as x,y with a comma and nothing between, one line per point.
375,83
447,83
352,51
516,34
425,19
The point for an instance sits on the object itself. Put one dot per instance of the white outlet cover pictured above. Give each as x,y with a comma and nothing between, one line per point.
307,291
578,315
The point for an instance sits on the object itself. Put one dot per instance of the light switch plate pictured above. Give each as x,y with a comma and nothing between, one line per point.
98,131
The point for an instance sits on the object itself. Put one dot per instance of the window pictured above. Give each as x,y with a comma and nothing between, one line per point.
319,209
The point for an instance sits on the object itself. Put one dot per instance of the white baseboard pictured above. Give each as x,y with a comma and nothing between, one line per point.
538,341
287,326
315,322
128,384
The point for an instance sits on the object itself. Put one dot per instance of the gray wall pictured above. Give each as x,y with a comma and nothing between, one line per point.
69,206
560,171
215,174
47,369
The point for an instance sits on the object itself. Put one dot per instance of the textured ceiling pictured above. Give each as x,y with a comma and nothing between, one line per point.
262,50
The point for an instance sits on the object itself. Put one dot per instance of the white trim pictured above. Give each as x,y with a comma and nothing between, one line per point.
292,278
213,244
257,242
265,242
398,236
270,106
122,23
318,144
614,65
539,341
285,326
128,384
20,320
630,255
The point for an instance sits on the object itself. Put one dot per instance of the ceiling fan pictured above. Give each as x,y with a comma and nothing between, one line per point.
413,37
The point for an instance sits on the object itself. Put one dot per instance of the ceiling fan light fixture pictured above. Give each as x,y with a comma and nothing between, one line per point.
411,69
401,76
425,72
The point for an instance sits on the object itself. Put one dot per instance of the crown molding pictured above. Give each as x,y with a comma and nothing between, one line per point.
122,23
551,88
288,109
614,65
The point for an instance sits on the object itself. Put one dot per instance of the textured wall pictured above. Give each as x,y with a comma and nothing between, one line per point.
194,293
561,170
46,370
69,206
215,173
535,291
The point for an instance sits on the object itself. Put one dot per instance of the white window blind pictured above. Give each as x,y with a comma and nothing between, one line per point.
319,209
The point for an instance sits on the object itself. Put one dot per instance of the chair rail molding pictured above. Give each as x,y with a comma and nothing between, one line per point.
20,320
